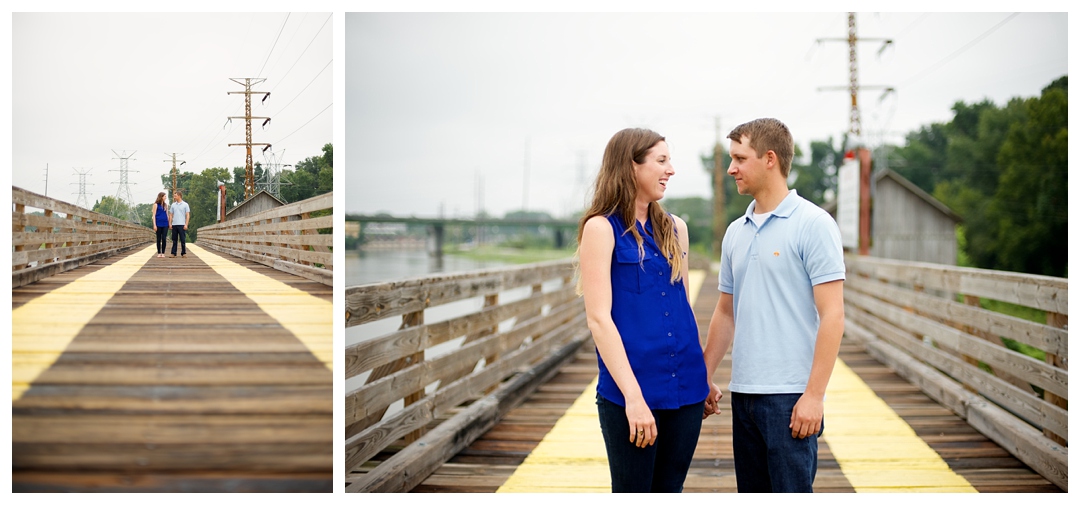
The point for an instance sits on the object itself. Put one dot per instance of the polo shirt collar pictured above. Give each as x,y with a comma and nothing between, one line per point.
786,207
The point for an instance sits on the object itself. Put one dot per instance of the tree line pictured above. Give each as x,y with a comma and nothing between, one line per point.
311,177
1003,169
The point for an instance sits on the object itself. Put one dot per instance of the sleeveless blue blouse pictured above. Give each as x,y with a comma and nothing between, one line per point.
161,219
656,324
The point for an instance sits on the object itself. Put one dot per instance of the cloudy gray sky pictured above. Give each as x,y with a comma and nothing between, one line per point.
446,112
84,85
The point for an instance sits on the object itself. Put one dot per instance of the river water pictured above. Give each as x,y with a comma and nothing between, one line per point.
363,267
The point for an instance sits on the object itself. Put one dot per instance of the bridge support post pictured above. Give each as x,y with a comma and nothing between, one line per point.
435,242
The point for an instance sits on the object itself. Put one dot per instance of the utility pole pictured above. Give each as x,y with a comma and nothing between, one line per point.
173,172
719,215
46,179
123,192
247,82
854,118
81,201
858,147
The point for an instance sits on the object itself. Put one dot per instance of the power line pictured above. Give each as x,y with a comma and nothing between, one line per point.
303,52
308,121
960,51
274,45
306,87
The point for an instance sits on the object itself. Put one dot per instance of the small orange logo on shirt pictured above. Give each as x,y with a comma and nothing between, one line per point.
776,253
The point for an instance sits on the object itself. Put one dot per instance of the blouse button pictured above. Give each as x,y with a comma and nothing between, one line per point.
665,313
663,293
672,374
669,334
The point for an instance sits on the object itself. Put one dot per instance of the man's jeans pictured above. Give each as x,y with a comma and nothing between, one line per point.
658,468
767,458
179,234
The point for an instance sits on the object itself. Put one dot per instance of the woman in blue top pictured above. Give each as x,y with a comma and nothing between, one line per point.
633,266
161,223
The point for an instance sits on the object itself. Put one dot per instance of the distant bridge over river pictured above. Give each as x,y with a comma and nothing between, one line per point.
436,226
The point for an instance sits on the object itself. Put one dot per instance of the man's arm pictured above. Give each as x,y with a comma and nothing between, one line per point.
809,410
187,216
721,333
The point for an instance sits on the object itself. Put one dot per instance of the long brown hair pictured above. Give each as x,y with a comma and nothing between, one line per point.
160,199
616,190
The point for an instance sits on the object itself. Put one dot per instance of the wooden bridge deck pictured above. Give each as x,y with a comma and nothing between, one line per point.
951,457
204,373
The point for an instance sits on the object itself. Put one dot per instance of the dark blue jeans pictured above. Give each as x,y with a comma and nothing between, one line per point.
162,233
767,458
179,235
658,468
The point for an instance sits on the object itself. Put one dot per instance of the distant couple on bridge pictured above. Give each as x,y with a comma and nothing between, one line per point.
175,217
781,303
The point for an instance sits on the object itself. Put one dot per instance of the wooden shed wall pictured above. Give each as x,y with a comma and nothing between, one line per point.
906,228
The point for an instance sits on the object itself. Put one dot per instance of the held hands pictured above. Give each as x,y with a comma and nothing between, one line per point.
806,416
642,423
712,402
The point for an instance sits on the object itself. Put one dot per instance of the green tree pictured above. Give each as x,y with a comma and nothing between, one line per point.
697,213
816,180
1029,211
111,206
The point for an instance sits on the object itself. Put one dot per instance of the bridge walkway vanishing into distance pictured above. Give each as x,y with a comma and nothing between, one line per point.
895,422
131,372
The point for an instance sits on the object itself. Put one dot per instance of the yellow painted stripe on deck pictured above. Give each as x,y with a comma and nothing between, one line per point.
571,458
43,327
309,318
877,451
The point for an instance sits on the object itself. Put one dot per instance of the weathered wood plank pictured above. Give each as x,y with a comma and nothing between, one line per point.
179,379
370,353
371,302
1019,365
1042,292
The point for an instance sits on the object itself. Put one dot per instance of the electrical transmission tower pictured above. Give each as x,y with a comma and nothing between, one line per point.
247,82
271,179
854,118
123,192
173,172
81,201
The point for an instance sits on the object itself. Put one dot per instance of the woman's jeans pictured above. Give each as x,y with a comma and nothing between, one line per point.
658,468
162,233
767,458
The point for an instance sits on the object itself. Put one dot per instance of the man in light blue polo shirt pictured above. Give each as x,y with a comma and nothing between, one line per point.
782,304
179,215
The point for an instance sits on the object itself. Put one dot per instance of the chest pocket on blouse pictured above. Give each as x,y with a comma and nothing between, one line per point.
627,269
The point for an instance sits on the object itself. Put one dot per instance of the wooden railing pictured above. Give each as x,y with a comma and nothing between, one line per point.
909,316
524,322
286,238
49,236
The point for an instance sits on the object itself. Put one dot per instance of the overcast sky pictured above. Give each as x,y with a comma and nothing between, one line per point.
446,112
84,85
